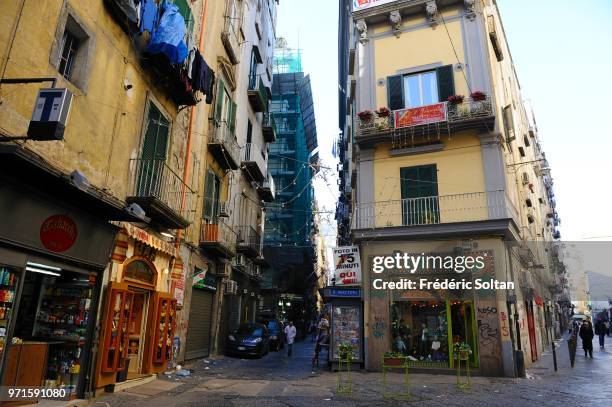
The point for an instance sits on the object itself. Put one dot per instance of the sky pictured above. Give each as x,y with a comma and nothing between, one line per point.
562,50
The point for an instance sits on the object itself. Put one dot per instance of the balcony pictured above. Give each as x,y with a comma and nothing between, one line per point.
248,241
159,191
470,213
230,34
258,94
267,190
218,239
253,162
223,146
433,120
268,128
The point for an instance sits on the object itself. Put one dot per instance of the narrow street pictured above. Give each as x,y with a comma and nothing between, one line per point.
277,380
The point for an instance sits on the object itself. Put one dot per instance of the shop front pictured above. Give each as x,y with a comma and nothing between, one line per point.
199,334
139,313
432,326
52,262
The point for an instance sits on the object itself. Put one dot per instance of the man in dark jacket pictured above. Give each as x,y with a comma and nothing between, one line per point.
600,330
586,334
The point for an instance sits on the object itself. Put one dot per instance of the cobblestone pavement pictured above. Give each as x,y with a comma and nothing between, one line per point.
277,380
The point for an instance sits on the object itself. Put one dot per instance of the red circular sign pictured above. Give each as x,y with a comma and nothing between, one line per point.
58,233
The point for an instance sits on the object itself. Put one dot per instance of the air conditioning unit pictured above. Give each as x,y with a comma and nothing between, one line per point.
224,210
231,287
224,270
525,178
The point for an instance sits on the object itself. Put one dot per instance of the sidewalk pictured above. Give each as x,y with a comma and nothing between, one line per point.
279,381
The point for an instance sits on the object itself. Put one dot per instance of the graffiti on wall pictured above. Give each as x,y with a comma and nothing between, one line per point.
489,344
379,327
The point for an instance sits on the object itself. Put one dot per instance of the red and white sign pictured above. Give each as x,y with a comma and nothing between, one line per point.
348,265
366,4
58,233
420,115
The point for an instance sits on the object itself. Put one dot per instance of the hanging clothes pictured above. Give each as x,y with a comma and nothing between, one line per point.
209,89
168,37
148,15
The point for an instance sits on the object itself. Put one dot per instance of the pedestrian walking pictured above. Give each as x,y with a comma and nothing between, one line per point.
608,327
290,333
601,331
586,334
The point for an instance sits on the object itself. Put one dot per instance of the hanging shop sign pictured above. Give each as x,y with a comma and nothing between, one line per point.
420,115
50,114
366,4
348,265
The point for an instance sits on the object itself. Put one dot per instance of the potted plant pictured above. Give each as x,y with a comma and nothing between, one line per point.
345,351
394,359
455,99
478,96
383,112
365,116
462,351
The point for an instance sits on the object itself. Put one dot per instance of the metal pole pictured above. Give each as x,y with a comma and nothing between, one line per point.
550,335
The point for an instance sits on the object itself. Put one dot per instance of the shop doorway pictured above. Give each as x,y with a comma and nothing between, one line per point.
531,328
137,332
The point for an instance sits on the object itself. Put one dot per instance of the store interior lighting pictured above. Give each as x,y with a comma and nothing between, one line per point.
43,269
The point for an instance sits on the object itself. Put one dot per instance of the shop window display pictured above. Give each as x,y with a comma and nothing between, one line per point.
8,286
420,330
51,328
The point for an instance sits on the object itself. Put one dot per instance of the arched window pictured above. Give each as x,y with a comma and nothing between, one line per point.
140,271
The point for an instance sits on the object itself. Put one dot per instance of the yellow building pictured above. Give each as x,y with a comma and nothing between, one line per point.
132,195
442,158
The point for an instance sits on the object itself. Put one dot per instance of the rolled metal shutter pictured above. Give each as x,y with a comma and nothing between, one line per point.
200,319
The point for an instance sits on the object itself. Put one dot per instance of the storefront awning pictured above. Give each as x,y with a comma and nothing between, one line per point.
26,168
149,239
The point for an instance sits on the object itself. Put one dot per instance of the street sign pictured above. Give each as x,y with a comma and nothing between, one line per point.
50,114
348,265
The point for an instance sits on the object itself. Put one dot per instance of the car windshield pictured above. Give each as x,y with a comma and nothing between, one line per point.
249,330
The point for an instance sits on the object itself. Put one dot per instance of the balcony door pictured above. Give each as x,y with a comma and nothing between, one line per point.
154,149
420,202
212,195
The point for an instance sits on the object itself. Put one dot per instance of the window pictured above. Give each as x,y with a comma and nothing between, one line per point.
69,52
526,141
141,271
508,123
153,152
185,11
212,194
73,47
521,151
225,108
420,89
419,188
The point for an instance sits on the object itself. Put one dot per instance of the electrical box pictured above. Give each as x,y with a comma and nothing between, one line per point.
50,114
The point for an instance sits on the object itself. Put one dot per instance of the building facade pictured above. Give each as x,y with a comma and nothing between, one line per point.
440,157
130,218
288,243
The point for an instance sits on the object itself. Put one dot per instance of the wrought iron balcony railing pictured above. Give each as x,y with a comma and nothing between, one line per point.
162,193
267,190
218,237
440,118
254,162
223,145
248,240
230,36
258,94
468,207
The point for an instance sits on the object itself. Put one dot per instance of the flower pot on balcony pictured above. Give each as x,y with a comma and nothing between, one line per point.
456,99
383,112
478,96
365,116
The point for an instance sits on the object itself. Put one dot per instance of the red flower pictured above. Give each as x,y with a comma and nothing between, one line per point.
456,99
365,115
383,112
478,95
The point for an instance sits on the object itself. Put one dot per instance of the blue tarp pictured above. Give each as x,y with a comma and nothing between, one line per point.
168,36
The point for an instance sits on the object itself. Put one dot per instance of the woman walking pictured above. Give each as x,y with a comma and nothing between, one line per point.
586,334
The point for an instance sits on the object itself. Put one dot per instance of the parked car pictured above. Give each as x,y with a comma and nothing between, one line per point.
248,340
277,334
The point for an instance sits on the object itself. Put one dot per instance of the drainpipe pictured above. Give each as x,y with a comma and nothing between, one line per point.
192,115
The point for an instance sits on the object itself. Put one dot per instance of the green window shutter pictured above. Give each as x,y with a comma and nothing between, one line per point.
219,101
185,11
155,140
209,194
446,82
232,116
395,92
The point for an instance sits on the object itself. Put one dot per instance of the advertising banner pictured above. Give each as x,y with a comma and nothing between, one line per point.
348,265
420,115
359,5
